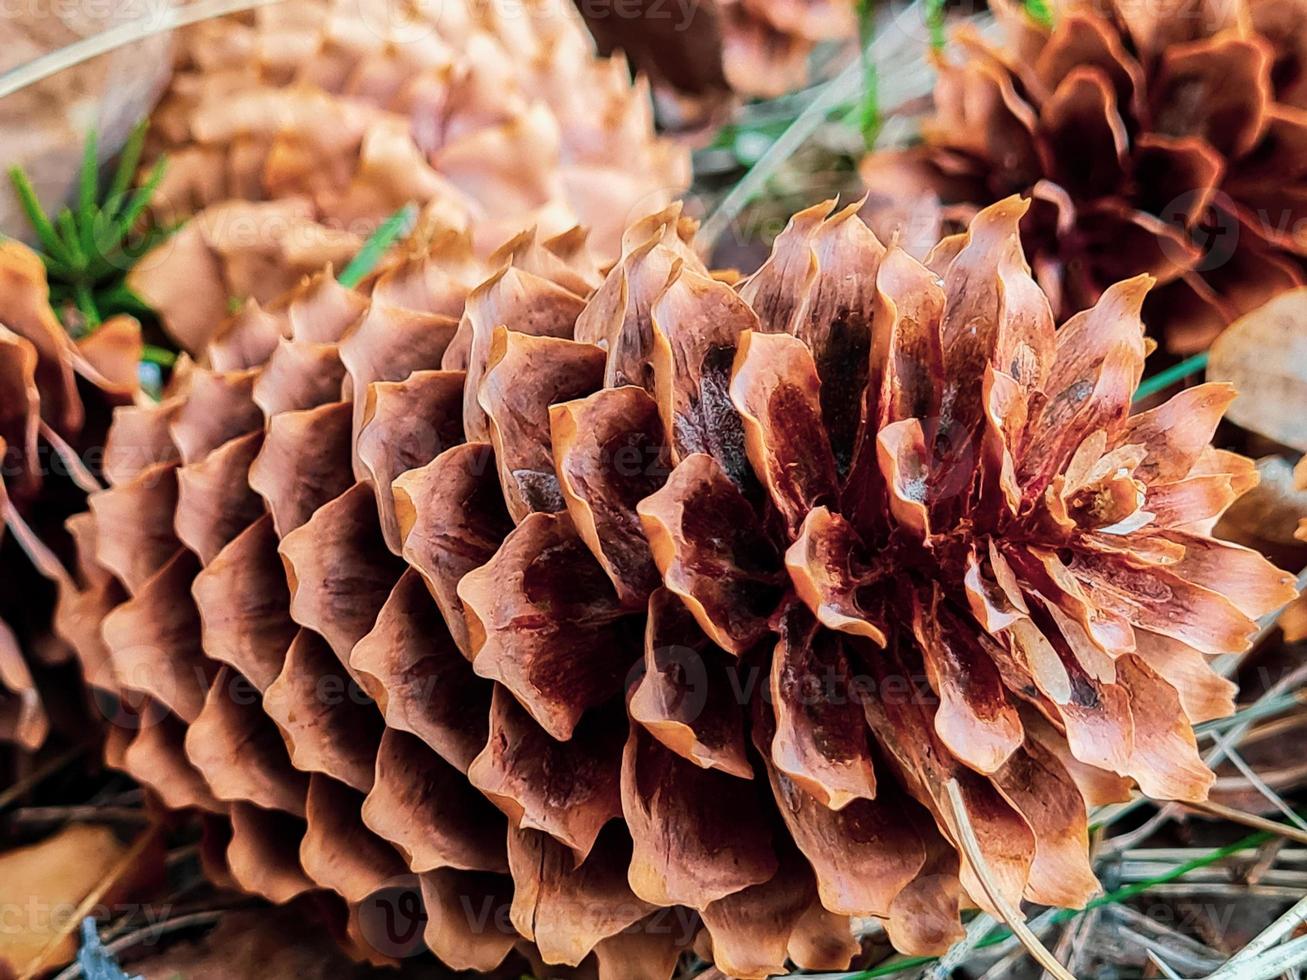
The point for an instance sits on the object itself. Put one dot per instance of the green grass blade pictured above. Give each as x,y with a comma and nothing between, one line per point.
377,246
36,215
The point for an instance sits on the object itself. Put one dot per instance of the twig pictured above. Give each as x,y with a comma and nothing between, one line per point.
1014,919
134,938
977,929
1268,937
1189,890
63,814
1259,784
41,772
1126,841
1162,965
1182,951
1272,962
1012,952
1249,820
31,72
1264,707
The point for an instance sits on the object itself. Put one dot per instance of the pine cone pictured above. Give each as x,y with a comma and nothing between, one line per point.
55,397
1158,140
766,43
699,54
295,133
616,611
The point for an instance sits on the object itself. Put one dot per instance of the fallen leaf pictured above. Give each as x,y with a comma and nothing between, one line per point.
1264,355
41,886
1267,516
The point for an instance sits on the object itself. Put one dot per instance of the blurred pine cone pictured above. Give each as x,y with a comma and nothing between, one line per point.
55,397
701,53
292,132
632,612
1162,138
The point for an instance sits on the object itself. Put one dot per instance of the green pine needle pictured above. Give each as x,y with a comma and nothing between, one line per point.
1040,12
86,305
128,161
935,21
88,189
152,354
139,200
71,237
88,249
869,109
36,215
361,266
1177,372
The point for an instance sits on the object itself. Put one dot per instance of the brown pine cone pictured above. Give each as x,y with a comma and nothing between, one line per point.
636,612
1162,139
292,133
55,398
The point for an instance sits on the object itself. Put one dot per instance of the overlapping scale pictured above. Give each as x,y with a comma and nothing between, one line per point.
55,399
672,652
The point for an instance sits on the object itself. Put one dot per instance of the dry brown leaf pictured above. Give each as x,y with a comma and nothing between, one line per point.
1267,516
1264,355
42,885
